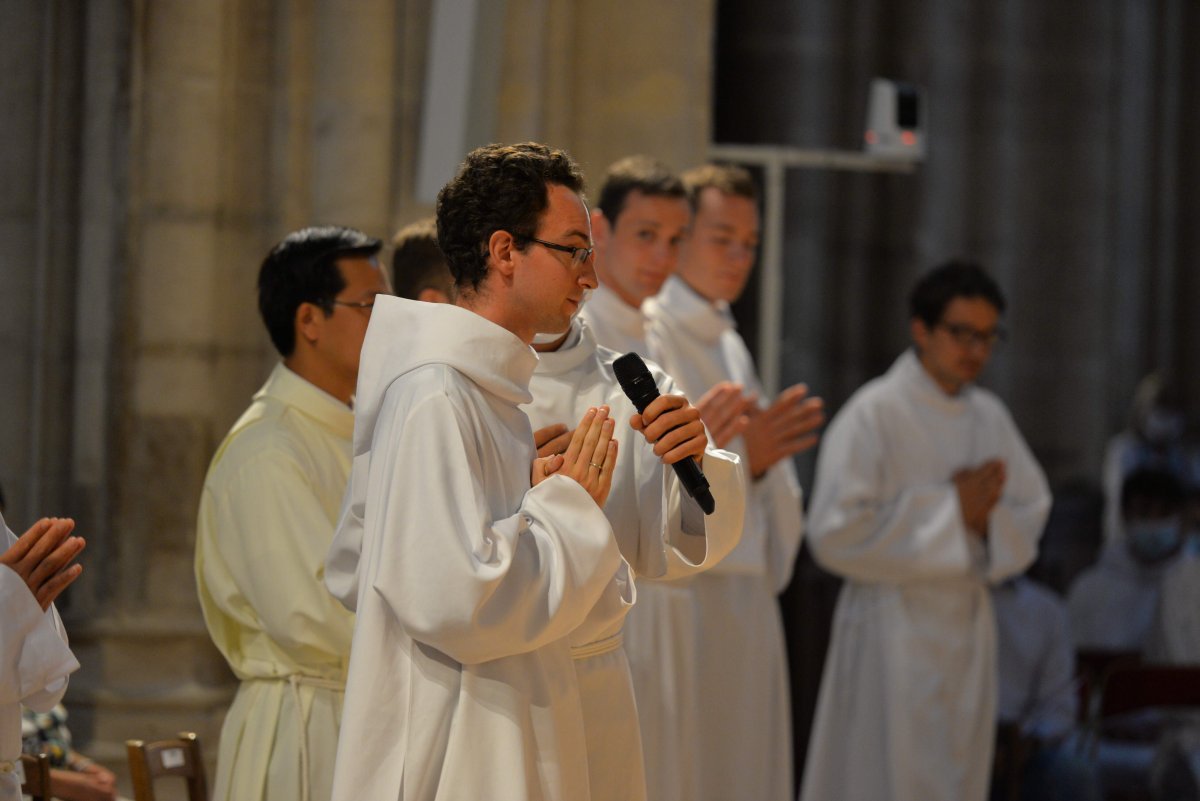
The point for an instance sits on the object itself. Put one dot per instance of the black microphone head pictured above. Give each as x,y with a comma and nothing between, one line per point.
635,380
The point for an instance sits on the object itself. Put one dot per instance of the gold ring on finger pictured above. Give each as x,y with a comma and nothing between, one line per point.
597,466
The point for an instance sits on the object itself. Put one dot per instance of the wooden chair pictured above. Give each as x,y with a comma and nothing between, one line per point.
1133,687
36,784
180,757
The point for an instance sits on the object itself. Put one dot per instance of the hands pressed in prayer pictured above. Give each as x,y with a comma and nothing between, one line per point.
42,557
590,457
979,489
674,427
726,411
787,427
552,439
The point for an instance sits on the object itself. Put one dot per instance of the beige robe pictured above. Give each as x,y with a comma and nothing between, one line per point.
267,515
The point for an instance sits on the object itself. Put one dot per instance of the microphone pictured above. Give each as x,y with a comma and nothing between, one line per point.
639,386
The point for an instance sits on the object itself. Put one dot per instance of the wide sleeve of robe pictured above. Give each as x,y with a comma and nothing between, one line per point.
34,662
471,583
260,558
675,538
1015,525
33,644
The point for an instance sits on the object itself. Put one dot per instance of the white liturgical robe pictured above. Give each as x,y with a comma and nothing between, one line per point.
743,656
908,697
468,584
267,514
662,534
35,664
615,324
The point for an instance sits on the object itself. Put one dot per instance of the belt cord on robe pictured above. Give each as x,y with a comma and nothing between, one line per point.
294,681
605,646
7,767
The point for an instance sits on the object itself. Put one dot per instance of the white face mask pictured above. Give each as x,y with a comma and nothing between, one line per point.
546,339
1153,541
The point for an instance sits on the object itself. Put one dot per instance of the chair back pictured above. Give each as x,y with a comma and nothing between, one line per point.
178,757
36,783
1133,687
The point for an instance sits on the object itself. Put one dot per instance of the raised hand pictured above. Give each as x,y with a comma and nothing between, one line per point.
979,490
787,427
726,411
552,439
42,557
674,427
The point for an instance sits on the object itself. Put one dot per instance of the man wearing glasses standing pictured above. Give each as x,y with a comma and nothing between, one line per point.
267,515
925,495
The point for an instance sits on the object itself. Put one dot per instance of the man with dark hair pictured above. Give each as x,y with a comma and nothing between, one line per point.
742,654
471,563
640,222
419,270
925,496
267,515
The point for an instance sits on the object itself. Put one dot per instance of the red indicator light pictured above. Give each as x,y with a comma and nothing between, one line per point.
871,137
908,138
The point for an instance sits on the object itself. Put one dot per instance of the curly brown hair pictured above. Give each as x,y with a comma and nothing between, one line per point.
497,188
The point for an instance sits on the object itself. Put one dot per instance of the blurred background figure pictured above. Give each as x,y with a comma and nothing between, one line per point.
1038,702
1113,604
419,270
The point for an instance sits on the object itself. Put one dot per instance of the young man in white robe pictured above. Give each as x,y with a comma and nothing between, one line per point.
267,514
34,658
640,221
745,723
470,562
661,532
925,495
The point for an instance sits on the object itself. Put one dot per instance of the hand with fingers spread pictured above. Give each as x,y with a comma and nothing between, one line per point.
42,557
552,439
787,427
725,409
674,427
979,490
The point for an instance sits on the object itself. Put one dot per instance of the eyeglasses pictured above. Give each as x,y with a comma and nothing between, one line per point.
356,304
579,256
967,335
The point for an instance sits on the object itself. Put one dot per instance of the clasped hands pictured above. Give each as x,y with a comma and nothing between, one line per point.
786,427
43,557
670,424
979,490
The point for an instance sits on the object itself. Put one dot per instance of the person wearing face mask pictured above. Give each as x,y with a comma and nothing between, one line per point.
1175,638
1112,605
1153,439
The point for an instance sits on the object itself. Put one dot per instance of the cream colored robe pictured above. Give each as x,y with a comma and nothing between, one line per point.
34,664
745,722
267,515
662,534
468,583
908,698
